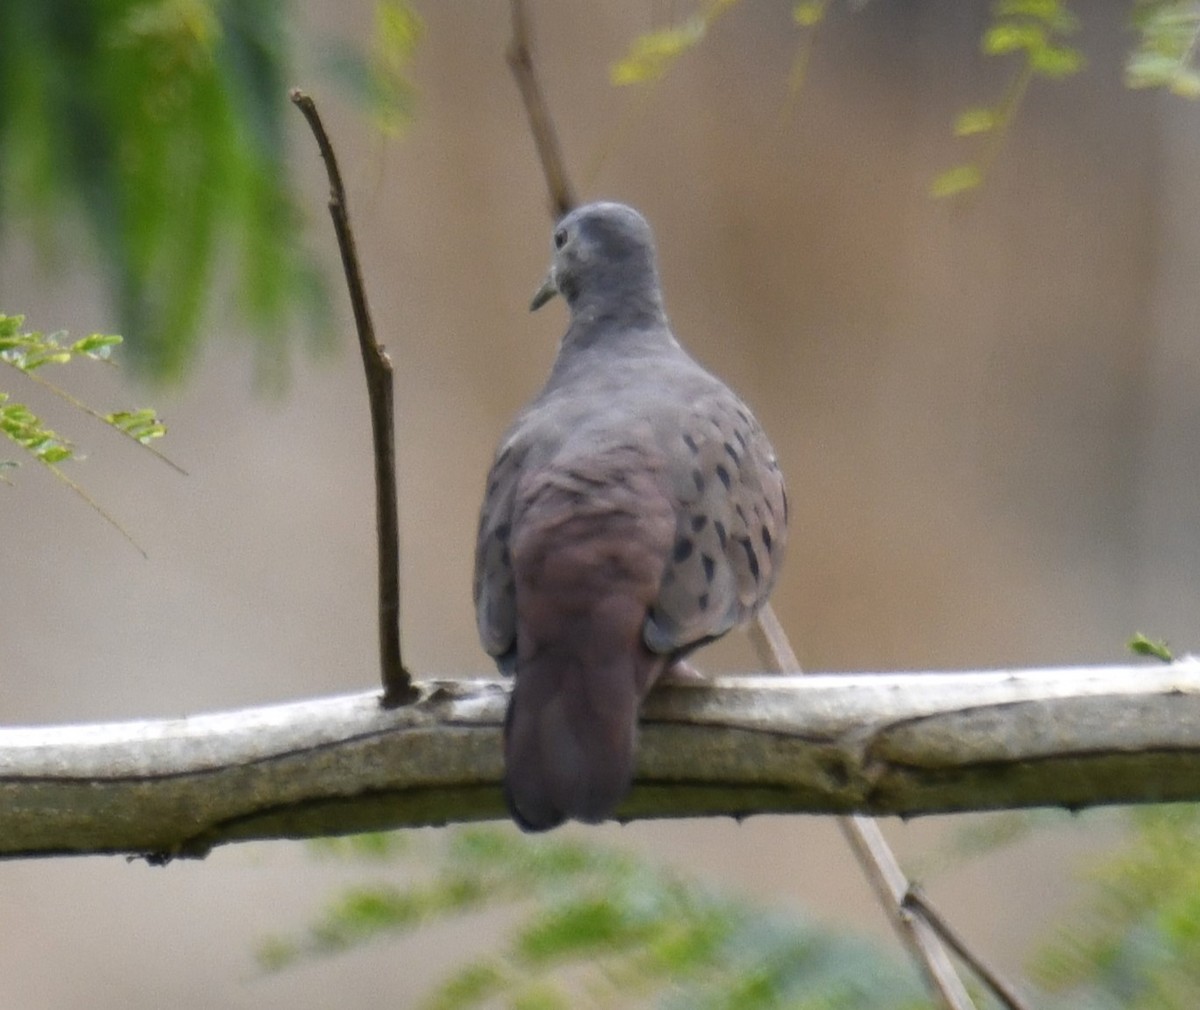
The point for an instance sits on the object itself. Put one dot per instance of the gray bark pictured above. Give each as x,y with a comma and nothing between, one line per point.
879,744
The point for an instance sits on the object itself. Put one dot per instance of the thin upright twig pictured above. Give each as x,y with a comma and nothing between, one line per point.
397,682
520,61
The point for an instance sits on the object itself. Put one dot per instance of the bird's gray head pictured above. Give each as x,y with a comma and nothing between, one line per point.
604,261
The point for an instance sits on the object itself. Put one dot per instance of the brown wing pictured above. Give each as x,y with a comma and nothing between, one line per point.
494,592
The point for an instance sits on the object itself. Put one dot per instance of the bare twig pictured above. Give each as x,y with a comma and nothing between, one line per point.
920,925
398,688
520,61
918,901
104,513
879,863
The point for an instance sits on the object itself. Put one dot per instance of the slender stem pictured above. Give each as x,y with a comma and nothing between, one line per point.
520,61
398,688
104,514
879,863
917,900
91,411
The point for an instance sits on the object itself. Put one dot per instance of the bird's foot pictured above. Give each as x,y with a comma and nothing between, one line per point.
682,672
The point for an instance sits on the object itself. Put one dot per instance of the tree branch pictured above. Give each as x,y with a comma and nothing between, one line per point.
880,744
397,682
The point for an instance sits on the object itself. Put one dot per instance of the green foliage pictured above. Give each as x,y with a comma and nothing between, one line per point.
808,16
1035,31
380,78
28,354
20,425
593,927
651,55
956,180
1140,645
159,122
809,13
1165,56
599,928
1137,945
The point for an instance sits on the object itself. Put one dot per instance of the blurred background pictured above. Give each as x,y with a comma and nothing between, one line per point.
985,408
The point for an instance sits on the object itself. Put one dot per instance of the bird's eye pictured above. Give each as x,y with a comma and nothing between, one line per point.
560,238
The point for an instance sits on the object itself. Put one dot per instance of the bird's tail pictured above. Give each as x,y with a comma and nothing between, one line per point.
571,728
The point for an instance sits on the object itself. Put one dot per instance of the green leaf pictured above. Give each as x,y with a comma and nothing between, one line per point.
808,13
98,345
651,55
977,120
398,29
276,953
1052,13
1140,645
1008,37
1056,61
541,996
955,181
142,425
21,426
54,453
1150,70
1185,83
471,986
44,356
590,924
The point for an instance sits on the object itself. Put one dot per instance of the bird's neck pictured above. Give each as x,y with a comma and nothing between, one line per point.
595,319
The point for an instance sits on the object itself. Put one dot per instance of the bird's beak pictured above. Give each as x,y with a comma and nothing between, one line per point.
547,291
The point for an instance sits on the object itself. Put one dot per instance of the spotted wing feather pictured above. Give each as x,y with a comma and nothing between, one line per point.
731,526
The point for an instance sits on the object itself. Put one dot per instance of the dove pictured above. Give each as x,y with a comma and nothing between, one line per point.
634,512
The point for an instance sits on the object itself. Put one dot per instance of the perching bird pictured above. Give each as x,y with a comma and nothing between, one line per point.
634,511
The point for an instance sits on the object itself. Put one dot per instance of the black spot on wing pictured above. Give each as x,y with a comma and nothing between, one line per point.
698,523
723,474
751,557
683,550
